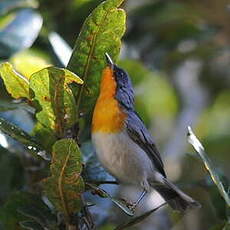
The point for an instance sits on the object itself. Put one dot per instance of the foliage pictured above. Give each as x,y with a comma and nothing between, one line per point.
177,54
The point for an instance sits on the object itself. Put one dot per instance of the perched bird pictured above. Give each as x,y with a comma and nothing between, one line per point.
123,144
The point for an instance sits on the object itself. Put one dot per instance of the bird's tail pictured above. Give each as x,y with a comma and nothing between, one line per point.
177,199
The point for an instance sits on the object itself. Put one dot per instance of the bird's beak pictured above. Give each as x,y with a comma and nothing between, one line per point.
109,60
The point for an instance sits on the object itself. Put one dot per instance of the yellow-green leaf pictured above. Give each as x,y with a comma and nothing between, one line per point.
56,108
65,185
15,83
101,33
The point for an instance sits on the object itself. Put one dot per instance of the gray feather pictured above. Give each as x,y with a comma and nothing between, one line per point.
140,135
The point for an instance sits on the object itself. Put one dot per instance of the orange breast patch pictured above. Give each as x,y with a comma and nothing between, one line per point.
107,116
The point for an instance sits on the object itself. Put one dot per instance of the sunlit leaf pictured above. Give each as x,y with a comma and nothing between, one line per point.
100,33
20,33
30,61
138,219
22,137
193,140
16,84
56,108
65,185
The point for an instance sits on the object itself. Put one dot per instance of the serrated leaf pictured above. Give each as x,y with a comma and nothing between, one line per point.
22,137
65,185
101,33
56,108
20,33
193,140
16,84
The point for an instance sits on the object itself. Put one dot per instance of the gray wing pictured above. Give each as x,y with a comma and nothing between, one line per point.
141,136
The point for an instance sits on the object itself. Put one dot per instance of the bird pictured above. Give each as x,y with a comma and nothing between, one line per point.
124,146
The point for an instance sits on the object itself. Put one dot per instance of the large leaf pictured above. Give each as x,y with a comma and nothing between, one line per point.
22,137
56,108
100,33
16,84
65,185
20,33
193,140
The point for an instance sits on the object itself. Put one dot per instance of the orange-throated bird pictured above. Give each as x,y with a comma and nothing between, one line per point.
123,144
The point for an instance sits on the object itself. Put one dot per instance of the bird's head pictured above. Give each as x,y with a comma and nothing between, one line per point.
123,90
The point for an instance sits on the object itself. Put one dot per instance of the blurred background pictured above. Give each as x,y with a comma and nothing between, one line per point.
177,53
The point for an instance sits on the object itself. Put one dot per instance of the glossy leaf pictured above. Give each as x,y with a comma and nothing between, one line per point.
22,137
56,109
20,33
65,185
100,33
193,140
16,84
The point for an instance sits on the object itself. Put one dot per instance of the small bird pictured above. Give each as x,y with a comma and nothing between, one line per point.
123,144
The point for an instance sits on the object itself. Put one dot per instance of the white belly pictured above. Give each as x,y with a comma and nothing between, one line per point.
123,158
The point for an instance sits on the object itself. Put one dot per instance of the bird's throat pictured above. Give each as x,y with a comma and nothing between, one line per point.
108,116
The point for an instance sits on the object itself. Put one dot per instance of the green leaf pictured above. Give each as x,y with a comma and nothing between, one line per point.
30,61
138,219
101,33
44,135
56,108
22,137
193,140
65,185
16,84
